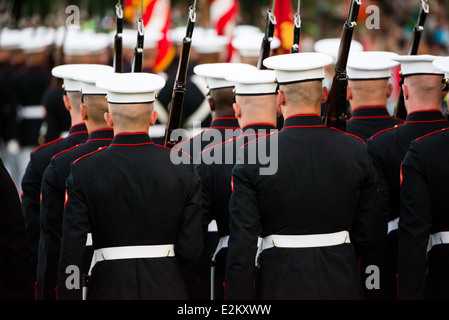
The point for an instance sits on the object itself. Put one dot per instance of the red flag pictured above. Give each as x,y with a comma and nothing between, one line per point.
156,16
223,14
284,14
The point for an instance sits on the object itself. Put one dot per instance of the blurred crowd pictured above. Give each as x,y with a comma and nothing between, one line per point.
31,46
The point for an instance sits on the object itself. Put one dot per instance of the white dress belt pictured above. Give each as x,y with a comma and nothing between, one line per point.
32,112
222,243
212,226
132,252
89,240
438,238
302,241
305,241
393,225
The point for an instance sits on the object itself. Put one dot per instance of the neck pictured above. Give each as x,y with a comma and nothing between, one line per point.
379,104
422,106
119,130
288,111
76,119
91,127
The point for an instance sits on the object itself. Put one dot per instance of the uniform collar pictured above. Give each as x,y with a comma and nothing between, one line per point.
425,116
102,134
303,120
130,139
255,127
370,112
225,123
79,128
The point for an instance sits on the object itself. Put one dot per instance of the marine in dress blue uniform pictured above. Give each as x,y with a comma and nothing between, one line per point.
53,182
388,147
423,262
224,126
41,156
256,111
368,90
314,210
143,210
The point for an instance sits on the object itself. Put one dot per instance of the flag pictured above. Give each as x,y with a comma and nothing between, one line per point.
223,15
283,11
156,16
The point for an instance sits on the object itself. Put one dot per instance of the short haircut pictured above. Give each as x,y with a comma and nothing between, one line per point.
130,115
96,106
308,93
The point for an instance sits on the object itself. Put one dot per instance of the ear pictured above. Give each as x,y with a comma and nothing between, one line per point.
154,116
405,91
237,110
108,119
281,98
325,94
348,93
83,111
389,90
66,102
211,104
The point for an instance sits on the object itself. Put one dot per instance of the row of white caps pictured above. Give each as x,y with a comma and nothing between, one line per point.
245,78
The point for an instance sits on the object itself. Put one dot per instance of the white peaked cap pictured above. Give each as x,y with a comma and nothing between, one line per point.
332,45
89,74
417,64
254,82
249,44
207,41
442,63
67,72
298,67
245,29
216,73
131,88
370,65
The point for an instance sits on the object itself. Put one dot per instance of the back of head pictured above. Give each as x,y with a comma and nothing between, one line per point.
131,117
368,92
303,96
424,91
222,100
96,106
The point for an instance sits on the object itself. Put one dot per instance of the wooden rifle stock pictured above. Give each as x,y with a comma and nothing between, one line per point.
118,41
335,114
400,112
266,42
179,89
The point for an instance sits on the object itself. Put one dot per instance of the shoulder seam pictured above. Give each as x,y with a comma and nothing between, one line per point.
431,133
88,154
174,148
47,144
385,130
348,134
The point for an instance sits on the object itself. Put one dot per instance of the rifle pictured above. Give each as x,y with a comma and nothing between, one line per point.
296,30
179,89
118,40
335,114
268,37
138,50
400,112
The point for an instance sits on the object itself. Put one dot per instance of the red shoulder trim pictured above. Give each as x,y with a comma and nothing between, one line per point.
181,143
158,145
269,134
88,154
431,133
47,144
219,144
64,151
384,130
349,134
